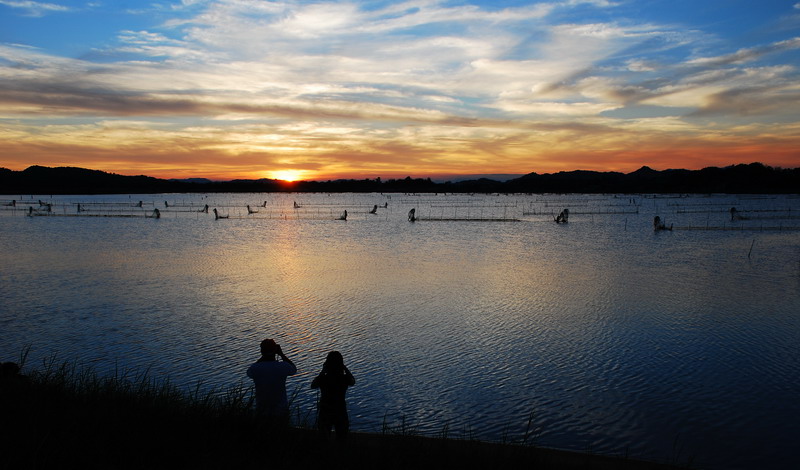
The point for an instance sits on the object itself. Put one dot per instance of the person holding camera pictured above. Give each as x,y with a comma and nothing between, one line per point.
269,376
332,383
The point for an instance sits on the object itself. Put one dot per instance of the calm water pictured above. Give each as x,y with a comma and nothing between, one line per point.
674,346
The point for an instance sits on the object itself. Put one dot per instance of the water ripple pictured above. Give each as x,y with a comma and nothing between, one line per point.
613,338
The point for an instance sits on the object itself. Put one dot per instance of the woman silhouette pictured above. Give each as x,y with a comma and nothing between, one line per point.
332,383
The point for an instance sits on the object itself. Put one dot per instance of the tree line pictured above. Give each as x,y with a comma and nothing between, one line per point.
753,178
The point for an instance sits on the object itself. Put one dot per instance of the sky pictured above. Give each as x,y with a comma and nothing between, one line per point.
319,90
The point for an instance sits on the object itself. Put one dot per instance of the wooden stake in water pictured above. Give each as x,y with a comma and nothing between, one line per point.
751,248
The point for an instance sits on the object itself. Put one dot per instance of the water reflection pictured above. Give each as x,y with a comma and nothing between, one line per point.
611,334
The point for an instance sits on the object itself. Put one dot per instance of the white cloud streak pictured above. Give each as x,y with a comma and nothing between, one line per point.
339,52
31,8
416,77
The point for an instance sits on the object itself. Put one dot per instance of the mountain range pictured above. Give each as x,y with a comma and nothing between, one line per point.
743,178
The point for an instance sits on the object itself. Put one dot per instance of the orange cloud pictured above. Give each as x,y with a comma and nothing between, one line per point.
340,91
513,154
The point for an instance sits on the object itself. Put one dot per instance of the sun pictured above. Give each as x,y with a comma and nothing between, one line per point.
287,175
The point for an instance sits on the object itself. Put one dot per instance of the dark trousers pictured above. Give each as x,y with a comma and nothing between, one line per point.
333,415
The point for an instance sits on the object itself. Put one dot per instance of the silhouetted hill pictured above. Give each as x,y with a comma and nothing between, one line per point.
493,176
70,180
750,178
192,180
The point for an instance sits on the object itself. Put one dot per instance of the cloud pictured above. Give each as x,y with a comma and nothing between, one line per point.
242,57
34,8
747,55
423,84
756,92
333,151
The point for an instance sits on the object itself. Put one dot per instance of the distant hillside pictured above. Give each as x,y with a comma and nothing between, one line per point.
459,178
70,180
751,178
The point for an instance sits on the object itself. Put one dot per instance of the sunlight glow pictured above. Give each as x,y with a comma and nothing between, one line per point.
364,89
286,175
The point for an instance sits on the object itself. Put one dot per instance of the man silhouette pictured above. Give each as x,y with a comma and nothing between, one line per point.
269,376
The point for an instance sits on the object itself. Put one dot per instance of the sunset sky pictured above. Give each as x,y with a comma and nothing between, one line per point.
229,89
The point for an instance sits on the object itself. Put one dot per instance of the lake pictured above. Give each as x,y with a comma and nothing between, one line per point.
481,317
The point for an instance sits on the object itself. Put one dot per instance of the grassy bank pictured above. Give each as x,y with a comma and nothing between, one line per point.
63,416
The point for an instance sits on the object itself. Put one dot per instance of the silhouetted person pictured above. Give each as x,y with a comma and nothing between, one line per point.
332,383
374,209
563,217
269,376
412,215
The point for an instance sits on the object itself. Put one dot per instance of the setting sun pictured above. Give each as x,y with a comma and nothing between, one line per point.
286,175
482,89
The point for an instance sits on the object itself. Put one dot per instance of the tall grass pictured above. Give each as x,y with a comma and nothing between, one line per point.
63,415
134,389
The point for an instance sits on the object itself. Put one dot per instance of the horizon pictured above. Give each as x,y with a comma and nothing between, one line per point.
442,179
245,89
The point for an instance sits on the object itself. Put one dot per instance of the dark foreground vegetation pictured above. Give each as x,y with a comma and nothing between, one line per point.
65,417
754,178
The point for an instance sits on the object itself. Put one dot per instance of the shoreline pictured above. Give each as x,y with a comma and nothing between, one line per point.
64,416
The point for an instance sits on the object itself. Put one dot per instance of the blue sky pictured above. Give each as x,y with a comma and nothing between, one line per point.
75,28
248,88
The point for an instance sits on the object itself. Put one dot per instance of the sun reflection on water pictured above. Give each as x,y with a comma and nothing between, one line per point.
611,333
